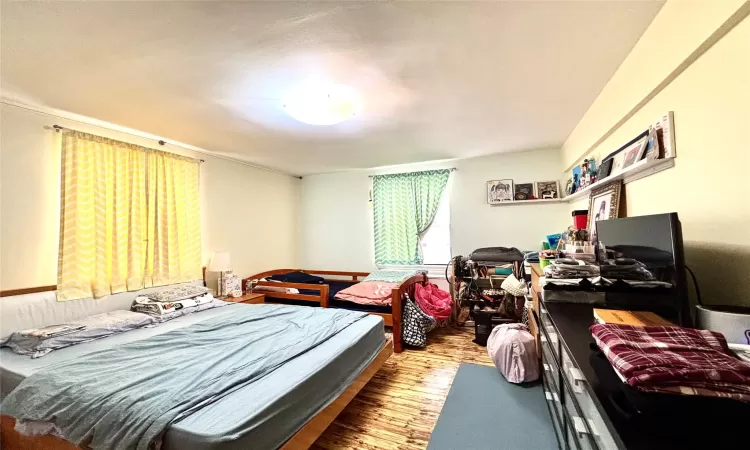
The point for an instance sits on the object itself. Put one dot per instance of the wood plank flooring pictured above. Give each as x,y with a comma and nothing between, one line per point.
400,405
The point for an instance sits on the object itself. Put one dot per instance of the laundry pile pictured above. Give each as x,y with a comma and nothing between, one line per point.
674,360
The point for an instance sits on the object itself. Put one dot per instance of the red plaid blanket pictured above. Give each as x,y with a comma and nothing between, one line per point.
674,359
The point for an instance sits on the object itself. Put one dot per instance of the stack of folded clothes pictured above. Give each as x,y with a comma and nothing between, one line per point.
566,268
674,360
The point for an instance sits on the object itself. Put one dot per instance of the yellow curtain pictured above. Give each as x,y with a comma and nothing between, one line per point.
130,218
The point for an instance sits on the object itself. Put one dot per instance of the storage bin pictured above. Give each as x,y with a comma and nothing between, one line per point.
553,239
580,219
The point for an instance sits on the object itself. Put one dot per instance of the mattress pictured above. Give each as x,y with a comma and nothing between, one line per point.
262,415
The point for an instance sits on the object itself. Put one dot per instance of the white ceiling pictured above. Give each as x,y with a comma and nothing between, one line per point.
438,79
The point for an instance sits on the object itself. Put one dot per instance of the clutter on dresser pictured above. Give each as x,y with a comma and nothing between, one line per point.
640,265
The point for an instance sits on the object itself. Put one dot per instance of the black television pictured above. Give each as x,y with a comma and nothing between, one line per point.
655,241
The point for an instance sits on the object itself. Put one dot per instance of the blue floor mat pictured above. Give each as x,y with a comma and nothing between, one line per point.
484,411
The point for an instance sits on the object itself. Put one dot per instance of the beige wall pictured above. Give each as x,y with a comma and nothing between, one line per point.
250,212
337,227
711,104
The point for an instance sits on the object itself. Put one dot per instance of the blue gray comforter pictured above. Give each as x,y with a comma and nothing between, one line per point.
126,396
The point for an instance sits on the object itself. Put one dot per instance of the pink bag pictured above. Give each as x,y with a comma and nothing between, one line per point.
512,350
433,301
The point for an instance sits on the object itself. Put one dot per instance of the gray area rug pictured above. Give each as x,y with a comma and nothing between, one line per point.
484,411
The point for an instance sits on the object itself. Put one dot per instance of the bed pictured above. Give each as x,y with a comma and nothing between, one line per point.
287,408
323,295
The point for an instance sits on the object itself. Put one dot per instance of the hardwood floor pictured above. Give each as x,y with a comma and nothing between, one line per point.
400,405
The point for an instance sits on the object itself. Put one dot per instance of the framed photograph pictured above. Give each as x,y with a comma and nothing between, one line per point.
604,203
547,189
576,178
634,152
653,149
499,191
523,191
665,132
605,169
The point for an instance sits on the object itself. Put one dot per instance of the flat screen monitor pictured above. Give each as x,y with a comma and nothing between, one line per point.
655,241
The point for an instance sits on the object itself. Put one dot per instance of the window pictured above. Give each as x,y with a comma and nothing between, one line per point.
129,218
436,241
404,208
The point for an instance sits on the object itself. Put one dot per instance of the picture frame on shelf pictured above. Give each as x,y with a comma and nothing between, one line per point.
523,191
547,190
634,152
499,191
665,133
604,204
605,169
652,150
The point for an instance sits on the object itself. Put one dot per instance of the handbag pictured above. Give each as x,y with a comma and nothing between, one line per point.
416,324
514,286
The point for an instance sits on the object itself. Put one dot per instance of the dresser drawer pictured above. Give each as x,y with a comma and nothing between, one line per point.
550,368
584,397
548,334
579,430
555,410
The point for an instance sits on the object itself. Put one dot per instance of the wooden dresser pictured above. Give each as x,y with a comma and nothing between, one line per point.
536,273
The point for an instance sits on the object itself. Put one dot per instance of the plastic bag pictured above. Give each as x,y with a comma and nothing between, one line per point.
513,351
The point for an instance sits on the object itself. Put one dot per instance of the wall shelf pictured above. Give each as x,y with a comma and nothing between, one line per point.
636,172
529,202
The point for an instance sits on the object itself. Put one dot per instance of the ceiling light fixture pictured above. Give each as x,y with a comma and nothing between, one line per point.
317,104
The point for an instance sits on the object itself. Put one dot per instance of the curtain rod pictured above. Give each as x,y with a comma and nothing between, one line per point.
59,128
60,114
452,169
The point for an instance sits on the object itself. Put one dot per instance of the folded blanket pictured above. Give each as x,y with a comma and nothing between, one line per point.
175,293
391,276
674,359
152,307
82,330
51,331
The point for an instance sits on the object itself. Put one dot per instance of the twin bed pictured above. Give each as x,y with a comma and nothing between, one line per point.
324,295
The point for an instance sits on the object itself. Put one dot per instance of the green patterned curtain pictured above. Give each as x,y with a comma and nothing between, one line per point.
404,205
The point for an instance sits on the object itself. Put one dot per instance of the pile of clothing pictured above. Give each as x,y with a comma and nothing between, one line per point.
568,268
674,360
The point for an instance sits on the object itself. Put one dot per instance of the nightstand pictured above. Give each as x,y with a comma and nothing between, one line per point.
251,298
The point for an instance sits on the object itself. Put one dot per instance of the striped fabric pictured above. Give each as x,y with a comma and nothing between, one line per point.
130,218
404,206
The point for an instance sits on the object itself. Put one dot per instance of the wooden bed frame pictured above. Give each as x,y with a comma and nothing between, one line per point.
392,319
303,439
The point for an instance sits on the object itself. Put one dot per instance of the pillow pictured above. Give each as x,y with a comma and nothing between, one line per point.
34,343
297,277
368,293
176,293
391,276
